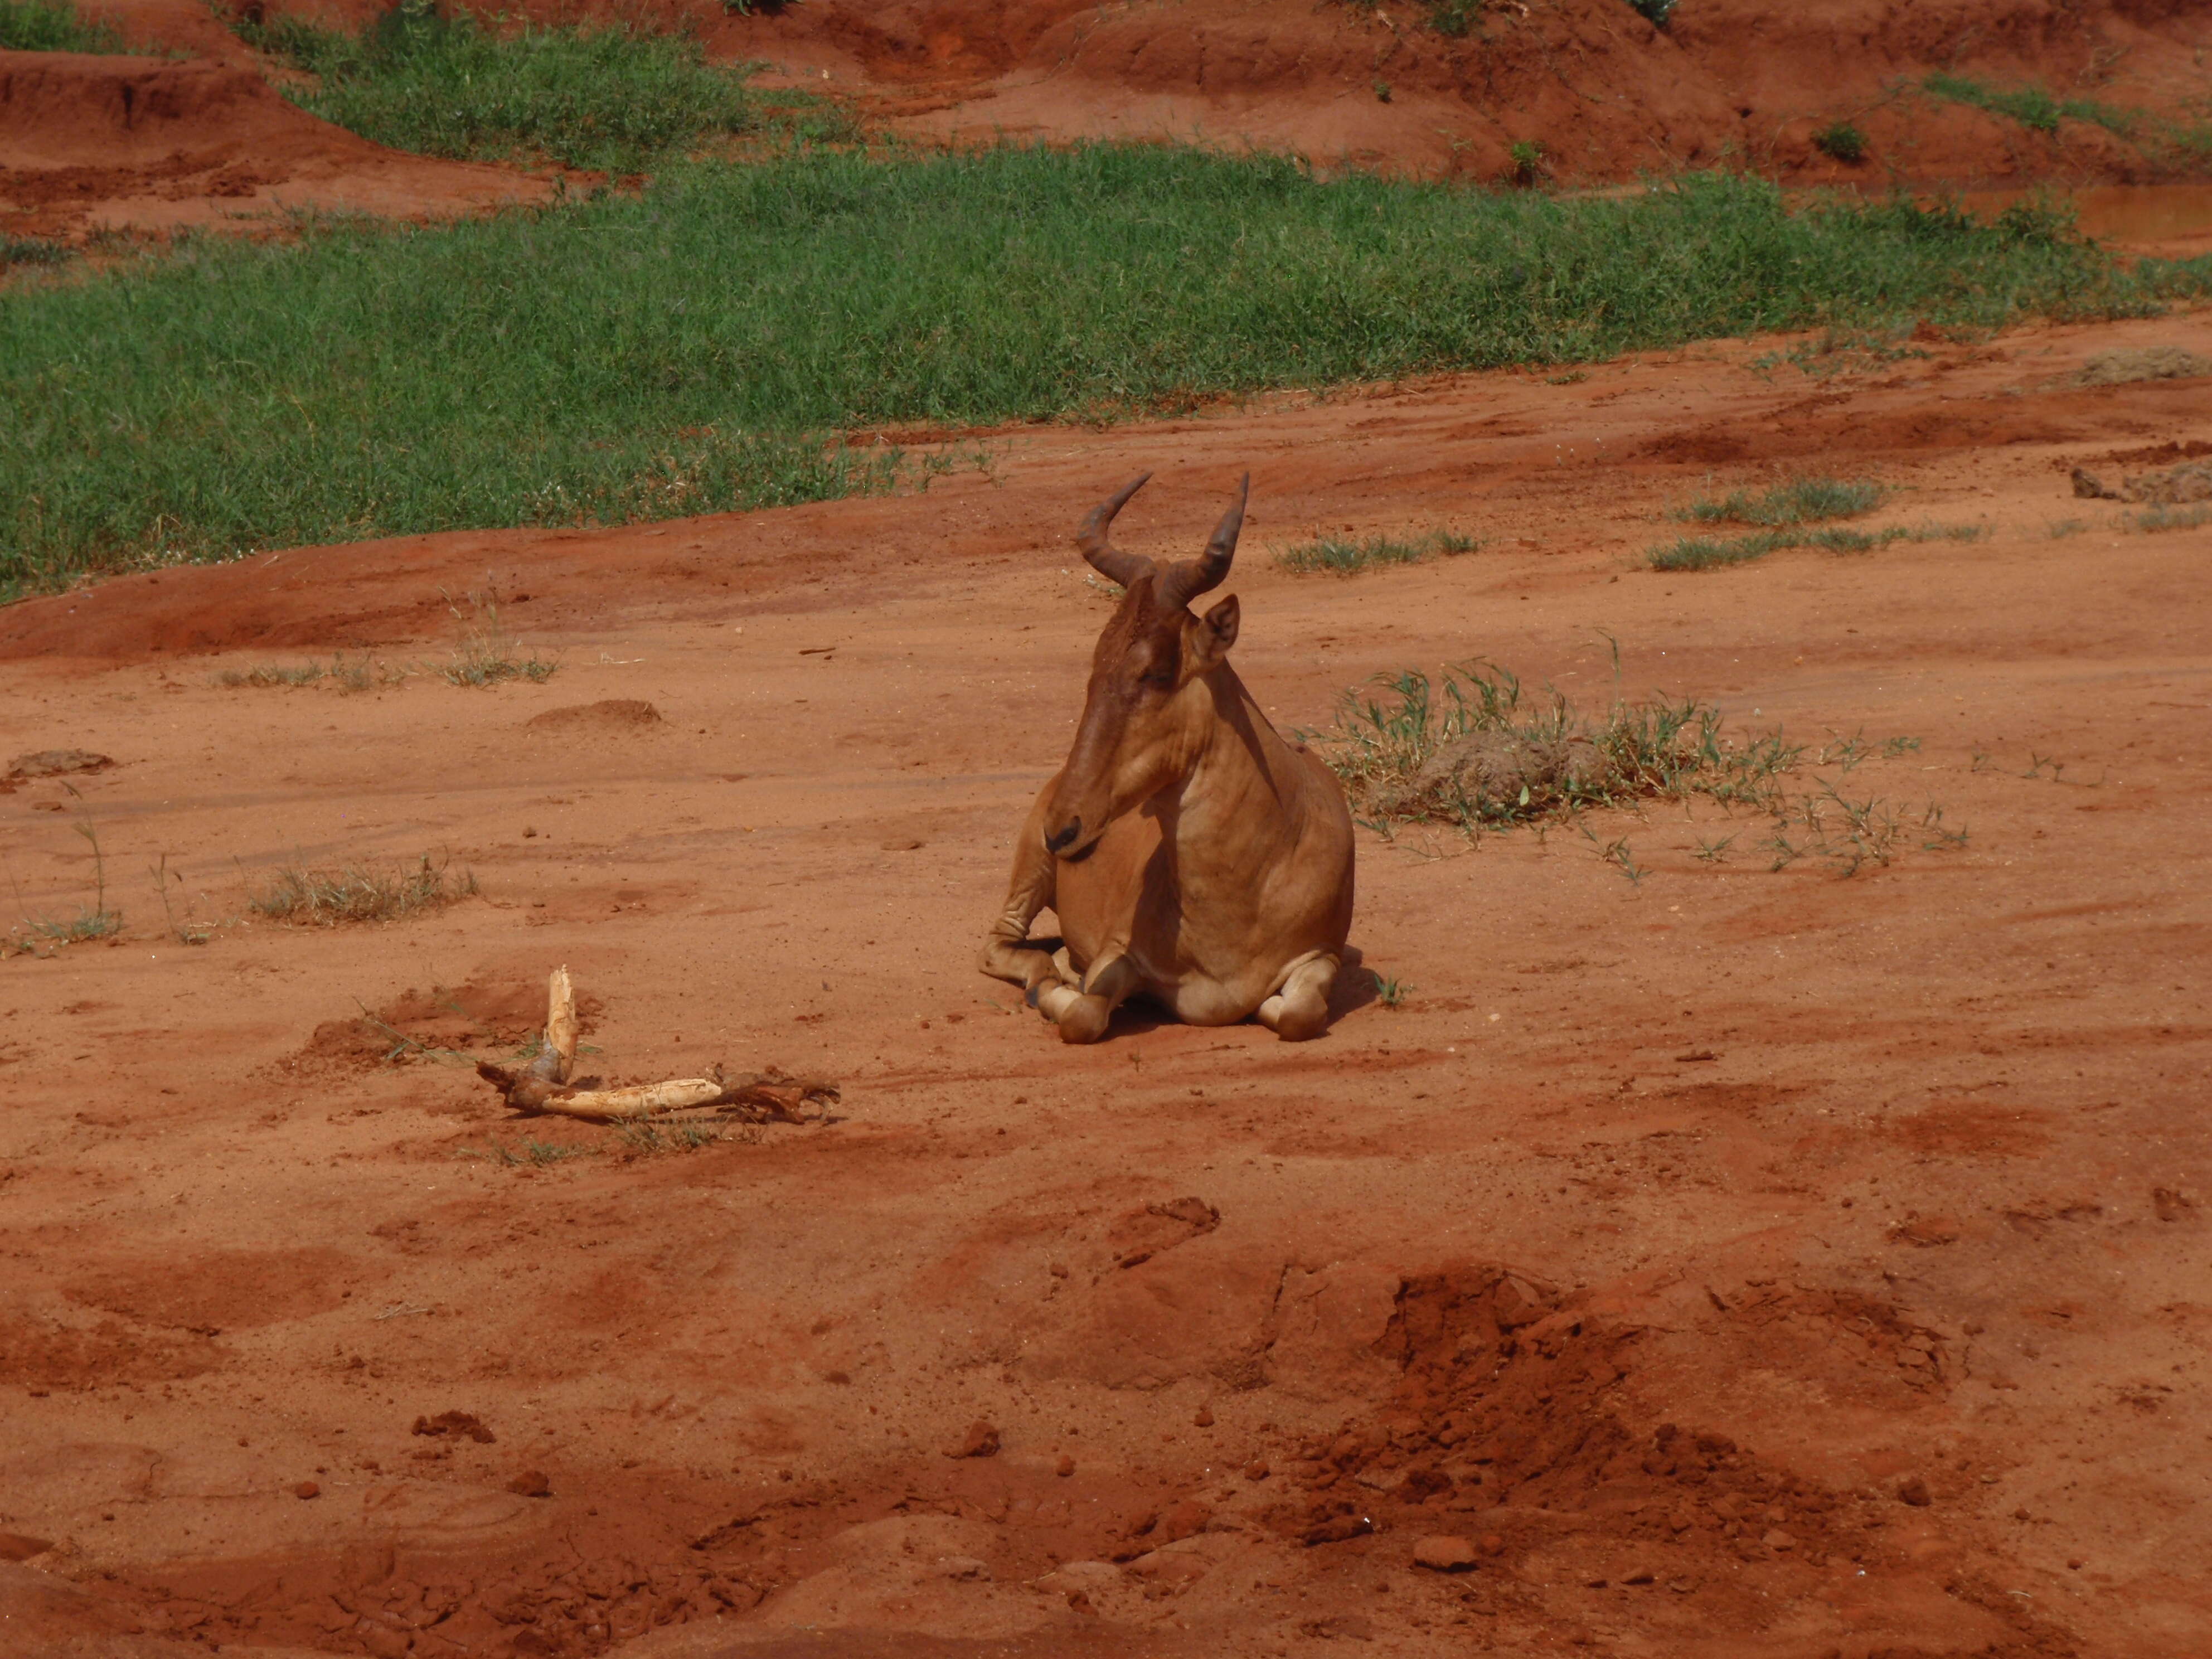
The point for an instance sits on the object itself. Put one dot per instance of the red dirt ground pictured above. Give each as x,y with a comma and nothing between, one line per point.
94,143
1744,1263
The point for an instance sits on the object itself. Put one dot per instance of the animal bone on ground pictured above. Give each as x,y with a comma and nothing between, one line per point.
543,1086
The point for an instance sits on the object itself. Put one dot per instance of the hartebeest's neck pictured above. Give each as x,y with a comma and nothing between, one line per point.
1244,797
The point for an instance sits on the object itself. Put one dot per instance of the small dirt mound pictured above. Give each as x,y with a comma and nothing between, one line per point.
616,716
94,143
1516,1409
482,1017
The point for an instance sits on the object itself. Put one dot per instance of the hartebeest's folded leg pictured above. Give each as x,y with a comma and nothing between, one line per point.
1083,1015
1300,1009
1007,954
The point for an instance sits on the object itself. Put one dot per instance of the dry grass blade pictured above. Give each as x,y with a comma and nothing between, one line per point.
325,898
1469,750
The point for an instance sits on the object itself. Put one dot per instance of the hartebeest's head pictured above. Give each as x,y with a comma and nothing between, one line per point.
1151,706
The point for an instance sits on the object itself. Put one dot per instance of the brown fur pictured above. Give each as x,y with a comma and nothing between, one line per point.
1192,854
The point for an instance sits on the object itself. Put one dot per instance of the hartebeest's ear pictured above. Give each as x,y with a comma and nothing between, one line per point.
1211,636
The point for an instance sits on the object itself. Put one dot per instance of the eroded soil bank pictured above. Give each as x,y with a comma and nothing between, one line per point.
1741,1261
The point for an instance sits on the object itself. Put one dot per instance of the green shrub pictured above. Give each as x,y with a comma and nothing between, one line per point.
34,25
1657,13
1842,142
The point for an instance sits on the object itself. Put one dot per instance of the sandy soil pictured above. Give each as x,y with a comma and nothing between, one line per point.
91,144
1743,1263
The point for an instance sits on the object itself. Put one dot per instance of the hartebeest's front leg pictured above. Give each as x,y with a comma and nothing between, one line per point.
1300,1009
1007,953
1083,1015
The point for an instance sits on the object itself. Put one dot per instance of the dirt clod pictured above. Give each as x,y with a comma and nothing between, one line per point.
455,1423
307,1489
613,716
1914,1493
981,1440
531,1483
56,762
1442,1553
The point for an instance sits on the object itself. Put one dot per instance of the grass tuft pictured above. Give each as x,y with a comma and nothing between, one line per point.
34,25
486,653
1466,751
697,347
1342,558
446,83
1799,500
326,898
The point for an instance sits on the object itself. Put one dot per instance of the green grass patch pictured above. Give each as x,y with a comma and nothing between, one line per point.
450,83
701,345
1797,501
32,25
2034,107
1708,553
1341,558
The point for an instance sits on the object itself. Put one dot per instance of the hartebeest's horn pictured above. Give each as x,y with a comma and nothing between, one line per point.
1188,578
1102,555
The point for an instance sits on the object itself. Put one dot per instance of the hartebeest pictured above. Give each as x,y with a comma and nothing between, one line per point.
1192,855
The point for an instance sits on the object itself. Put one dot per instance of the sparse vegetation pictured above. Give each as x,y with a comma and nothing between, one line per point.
1705,553
535,1154
1391,993
444,81
346,673
698,346
34,25
2164,516
41,935
325,898
1341,558
1467,752
2032,107
1526,157
648,1138
1657,13
486,653
1797,501
1841,142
